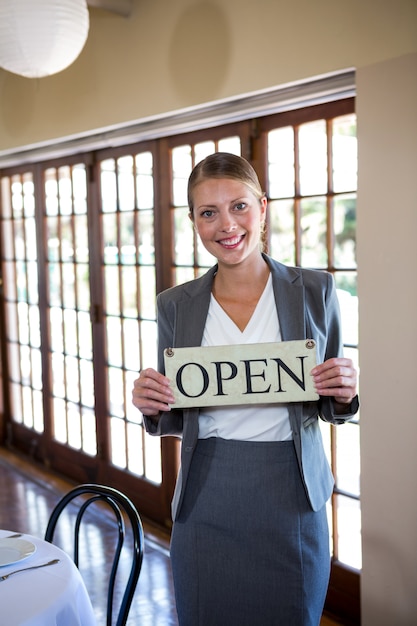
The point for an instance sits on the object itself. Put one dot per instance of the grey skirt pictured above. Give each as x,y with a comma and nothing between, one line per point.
247,549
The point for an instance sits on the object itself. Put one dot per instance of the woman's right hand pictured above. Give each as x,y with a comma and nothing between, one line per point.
152,393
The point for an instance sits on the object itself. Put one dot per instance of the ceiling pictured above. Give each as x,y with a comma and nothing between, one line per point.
121,7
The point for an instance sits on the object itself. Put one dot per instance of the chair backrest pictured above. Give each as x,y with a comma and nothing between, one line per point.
121,507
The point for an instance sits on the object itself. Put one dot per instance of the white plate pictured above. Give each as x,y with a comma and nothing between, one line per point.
13,550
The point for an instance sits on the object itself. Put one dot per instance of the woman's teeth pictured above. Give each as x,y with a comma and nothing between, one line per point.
230,242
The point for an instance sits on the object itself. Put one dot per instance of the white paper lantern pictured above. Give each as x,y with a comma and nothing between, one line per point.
41,37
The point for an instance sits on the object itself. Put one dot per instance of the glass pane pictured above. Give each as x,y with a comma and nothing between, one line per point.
51,192
27,407
153,469
144,180
72,378
148,345
74,426
109,222
126,183
312,139
65,191
114,348
282,230
16,398
12,323
281,173
79,181
38,410
348,458
145,238
181,168
19,239
25,364
111,275
230,144
68,284
5,197
30,237
147,292
58,384
116,391
204,258
183,237
135,448
348,301
349,531
201,150
28,196
89,432
36,368
22,312
81,238
314,233
60,421
34,326
108,186
131,344
7,240
32,279
344,217
129,291
87,384
54,284
132,414
118,442
345,153
183,274
70,331
83,286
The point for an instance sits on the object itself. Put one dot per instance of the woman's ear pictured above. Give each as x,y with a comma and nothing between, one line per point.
264,204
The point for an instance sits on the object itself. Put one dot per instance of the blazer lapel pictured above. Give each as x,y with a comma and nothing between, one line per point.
192,311
289,298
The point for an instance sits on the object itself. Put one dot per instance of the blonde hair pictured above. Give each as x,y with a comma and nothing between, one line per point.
224,165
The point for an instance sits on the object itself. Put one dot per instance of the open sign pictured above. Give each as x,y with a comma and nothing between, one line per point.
242,374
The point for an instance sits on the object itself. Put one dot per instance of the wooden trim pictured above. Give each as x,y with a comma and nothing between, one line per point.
326,88
343,594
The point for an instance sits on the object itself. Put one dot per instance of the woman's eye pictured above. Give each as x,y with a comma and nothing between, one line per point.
207,213
240,206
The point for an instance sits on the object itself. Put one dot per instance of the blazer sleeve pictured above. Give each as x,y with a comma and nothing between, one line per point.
333,347
170,422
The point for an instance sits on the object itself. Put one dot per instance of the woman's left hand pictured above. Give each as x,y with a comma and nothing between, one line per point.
336,377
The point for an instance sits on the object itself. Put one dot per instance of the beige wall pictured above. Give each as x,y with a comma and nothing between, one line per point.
173,54
387,261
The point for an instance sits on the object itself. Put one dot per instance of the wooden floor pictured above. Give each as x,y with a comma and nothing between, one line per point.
28,494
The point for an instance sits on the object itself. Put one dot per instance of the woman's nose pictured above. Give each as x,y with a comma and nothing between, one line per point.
227,223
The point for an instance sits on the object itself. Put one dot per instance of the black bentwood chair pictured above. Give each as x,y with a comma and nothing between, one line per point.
122,507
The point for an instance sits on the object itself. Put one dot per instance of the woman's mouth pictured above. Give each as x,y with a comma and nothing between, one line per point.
231,242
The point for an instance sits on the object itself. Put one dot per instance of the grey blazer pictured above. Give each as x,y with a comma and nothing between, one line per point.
307,307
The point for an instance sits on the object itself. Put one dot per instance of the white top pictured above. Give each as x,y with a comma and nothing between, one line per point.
257,422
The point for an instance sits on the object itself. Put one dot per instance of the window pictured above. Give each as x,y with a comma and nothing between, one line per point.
87,242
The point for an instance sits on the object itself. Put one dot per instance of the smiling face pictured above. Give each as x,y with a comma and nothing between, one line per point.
228,218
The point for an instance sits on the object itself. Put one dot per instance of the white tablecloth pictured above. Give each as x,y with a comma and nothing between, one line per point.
50,596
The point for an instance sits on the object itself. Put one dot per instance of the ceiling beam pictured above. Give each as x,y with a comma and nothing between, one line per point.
121,7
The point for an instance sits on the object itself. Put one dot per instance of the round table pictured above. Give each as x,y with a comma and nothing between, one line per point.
49,596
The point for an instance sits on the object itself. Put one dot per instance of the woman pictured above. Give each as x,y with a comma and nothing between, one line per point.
250,540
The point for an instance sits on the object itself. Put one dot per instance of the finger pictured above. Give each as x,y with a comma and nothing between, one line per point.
337,377
330,364
150,391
